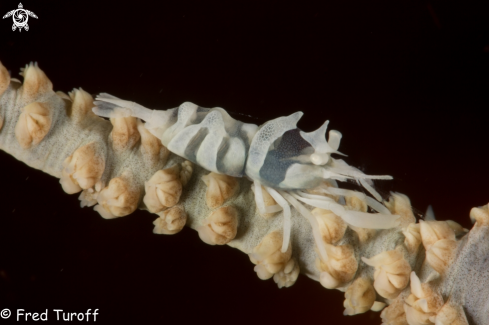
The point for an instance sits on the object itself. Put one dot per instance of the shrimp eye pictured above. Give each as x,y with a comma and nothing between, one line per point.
319,159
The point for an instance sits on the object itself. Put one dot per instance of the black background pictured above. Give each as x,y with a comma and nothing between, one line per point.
406,82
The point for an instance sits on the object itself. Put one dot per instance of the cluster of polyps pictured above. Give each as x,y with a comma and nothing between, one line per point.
122,164
424,306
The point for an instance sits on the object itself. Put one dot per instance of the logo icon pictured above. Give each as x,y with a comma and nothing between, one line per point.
20,17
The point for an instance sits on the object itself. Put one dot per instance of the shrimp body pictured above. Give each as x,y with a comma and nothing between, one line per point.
277,156
208,137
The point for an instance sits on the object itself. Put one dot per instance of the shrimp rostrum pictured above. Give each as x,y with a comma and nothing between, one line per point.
282,161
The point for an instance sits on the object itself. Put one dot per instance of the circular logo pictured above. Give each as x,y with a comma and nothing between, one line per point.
20,17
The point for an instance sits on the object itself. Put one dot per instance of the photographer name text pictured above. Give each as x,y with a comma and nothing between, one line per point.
54,314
